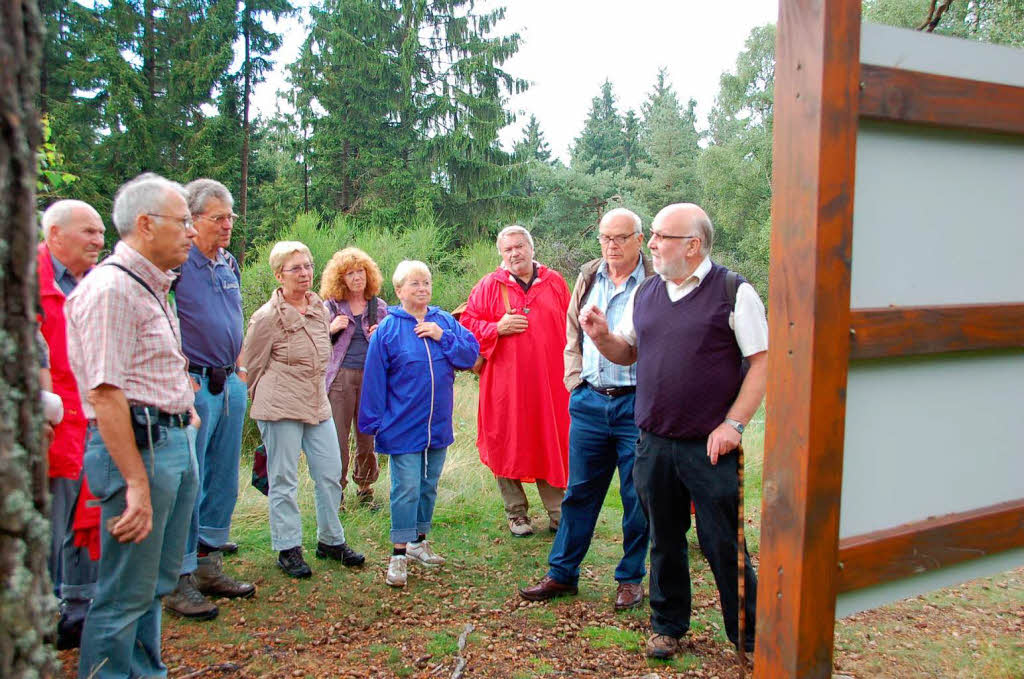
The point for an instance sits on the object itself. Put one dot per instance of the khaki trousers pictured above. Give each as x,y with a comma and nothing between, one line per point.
344,397
516,504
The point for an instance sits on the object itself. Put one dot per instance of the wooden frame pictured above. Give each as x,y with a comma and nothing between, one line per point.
821,92
908,331
913,548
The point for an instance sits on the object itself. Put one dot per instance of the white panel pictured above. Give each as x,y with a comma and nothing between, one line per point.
941,55
931,436
938,217
871,597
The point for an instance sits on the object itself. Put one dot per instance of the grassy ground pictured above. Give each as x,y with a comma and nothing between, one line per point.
348,623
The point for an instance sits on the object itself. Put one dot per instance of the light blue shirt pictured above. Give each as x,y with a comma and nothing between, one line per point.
62,277
597,370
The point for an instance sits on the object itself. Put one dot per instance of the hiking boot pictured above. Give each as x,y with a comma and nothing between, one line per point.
292,563
662,646
421,551
520,526
211,581
397,570
188,602
342,553
553,525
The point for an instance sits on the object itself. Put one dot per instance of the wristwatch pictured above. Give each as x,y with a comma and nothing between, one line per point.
735,424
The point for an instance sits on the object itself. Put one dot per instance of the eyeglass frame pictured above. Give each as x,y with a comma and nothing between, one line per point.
619,240
665,236
220,219
310,267
185,222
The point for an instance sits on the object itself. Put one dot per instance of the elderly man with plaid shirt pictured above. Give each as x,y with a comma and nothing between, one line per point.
124,345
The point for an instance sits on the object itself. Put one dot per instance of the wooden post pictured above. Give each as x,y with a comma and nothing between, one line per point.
816,103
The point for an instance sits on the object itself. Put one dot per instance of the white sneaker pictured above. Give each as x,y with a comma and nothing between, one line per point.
422,552
397,570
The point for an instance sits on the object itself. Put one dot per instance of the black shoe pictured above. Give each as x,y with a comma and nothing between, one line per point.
342,553
69,633
228,548
292,563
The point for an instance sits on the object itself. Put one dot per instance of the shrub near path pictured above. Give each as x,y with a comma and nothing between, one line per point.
348,623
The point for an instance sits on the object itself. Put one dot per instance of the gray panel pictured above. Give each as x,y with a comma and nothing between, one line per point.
938,217
871,597
941,55
931,436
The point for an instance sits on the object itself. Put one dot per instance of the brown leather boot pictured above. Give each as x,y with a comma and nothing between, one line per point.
211,580
188,602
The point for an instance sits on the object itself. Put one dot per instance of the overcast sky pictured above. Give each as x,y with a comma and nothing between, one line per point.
570,46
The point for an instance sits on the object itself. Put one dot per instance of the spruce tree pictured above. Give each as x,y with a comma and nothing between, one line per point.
602,143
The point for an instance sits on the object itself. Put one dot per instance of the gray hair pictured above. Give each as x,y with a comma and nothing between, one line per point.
706,232
202,190
406,268
140,196
638,225
513,229
60,213
284,249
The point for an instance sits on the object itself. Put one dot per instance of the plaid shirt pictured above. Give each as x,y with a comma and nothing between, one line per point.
118,334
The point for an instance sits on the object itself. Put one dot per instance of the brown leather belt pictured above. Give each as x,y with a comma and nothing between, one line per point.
613,392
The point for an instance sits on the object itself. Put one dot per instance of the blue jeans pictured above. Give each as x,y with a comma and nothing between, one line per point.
122,630
218,446
284,439
602,436
413,493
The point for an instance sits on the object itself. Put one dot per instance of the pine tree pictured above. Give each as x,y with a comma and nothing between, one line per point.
670,143
602,143
631,147
532,146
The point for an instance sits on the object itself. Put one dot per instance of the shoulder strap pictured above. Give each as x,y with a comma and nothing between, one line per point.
138,279
504,297
732,284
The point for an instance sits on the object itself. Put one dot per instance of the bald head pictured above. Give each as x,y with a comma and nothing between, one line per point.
74,235
687,218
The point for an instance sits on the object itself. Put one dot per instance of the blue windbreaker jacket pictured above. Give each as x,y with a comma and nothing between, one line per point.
408,382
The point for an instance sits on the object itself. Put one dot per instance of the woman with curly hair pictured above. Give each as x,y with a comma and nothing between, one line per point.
349,287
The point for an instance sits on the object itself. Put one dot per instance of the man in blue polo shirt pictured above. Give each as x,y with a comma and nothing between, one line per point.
209,300
602,433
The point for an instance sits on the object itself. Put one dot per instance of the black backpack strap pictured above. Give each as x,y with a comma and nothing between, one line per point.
145,285
732,284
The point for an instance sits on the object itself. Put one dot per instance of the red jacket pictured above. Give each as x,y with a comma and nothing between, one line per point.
523,415
68,436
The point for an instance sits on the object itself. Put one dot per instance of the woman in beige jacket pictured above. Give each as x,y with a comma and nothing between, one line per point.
286,351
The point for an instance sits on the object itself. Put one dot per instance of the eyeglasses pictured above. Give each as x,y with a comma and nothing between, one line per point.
185,222
665,236
618,240
220,220
298,268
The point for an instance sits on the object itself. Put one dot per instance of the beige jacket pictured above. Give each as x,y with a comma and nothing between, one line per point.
573,354
286,354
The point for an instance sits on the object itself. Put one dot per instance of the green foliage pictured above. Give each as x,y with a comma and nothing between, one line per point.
995,21
602,143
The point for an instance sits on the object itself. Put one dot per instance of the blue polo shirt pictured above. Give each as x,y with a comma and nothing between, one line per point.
209,300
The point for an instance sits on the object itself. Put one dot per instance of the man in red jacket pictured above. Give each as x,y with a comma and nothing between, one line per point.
517,313
74,238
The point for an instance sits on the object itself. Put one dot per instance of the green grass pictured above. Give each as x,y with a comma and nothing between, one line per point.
608,637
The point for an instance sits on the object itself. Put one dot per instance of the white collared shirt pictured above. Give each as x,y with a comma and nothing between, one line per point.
747,320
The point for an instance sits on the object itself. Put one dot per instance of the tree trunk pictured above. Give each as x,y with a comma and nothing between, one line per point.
26,608
243,191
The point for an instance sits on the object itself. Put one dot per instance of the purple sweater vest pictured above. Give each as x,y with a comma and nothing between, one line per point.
688,363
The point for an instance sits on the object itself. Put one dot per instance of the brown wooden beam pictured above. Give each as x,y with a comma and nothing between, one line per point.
881,556
816,93
940,101
909,331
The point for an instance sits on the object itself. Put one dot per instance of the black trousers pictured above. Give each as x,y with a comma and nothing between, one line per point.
667,474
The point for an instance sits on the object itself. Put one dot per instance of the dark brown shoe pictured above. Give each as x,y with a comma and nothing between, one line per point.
211,580
662,646
629,595
546,589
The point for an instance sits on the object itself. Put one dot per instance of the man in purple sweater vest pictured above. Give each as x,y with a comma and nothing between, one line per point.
688,338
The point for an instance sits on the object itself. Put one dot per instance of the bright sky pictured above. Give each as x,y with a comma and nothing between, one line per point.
570,47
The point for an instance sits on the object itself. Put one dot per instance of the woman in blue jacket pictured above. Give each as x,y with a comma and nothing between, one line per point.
407,405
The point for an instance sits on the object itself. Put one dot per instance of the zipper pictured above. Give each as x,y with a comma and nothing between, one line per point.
430,417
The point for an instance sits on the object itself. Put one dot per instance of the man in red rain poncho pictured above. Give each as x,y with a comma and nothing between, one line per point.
517,313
